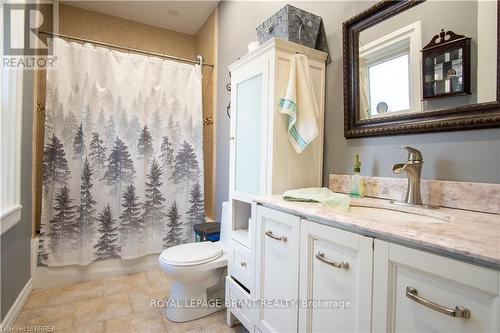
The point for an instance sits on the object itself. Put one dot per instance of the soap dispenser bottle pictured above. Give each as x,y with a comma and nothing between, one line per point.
356,181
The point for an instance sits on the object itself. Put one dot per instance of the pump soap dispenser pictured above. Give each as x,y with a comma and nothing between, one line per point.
356,181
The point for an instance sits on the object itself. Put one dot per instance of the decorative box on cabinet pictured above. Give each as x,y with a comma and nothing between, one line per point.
262,160
416,291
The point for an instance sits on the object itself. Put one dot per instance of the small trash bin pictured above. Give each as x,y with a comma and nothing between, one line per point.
209,231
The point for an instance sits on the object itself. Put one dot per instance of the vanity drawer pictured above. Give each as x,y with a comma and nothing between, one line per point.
238,301
240,265
430,293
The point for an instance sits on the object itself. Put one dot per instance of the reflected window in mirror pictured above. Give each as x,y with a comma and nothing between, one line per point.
389,82
388,86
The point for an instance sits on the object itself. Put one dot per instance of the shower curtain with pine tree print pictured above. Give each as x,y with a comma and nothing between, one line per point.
123,164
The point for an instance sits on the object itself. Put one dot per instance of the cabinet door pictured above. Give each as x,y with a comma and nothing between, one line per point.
416,291
335,280
277,270
249,98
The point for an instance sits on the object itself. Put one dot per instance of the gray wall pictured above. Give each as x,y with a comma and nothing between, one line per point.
15,243
463,156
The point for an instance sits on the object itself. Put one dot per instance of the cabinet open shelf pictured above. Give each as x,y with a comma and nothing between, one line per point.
242,236
241,218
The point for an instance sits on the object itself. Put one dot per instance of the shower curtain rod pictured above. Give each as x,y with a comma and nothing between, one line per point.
199,58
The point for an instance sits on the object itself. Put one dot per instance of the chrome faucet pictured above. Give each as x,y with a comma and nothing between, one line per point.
413,169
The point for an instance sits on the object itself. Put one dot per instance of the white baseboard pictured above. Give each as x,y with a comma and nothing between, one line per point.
15,309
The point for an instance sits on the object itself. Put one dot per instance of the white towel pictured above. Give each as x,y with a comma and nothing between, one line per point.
300,104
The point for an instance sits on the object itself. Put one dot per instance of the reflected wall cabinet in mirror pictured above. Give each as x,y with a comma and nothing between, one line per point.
421,66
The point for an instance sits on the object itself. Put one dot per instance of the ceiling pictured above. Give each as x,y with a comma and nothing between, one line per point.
181,16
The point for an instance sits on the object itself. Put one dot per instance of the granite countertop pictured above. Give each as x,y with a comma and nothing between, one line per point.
468,236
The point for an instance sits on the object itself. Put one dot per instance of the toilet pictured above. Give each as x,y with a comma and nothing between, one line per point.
198,271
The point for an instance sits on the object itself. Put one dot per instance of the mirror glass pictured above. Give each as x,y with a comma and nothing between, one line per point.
393,78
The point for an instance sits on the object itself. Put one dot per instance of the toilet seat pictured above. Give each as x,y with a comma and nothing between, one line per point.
191,254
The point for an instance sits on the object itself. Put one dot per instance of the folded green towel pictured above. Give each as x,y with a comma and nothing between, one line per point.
319,194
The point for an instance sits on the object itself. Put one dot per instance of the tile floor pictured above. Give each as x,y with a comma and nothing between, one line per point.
116,304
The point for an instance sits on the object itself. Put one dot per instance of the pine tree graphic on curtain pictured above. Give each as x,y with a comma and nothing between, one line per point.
174,235
131,220
154,202
87,205
156,124
174,131
107,246
120,167
55,173
70,127
64,226
196,212
109,133
97,152
167,153
55,164
79,144
122,119
145,145
133,132
186,167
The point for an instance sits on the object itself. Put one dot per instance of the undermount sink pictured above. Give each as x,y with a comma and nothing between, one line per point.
382,209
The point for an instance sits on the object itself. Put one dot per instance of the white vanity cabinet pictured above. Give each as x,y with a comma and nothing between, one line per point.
277,270
347,282
262,160
335,280
415,291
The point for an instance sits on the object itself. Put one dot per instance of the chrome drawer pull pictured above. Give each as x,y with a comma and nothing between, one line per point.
243,264
273,236
321,257
459,311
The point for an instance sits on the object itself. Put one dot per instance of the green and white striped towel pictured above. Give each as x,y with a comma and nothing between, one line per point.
300,104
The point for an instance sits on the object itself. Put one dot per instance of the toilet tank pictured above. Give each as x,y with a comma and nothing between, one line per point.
225,225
